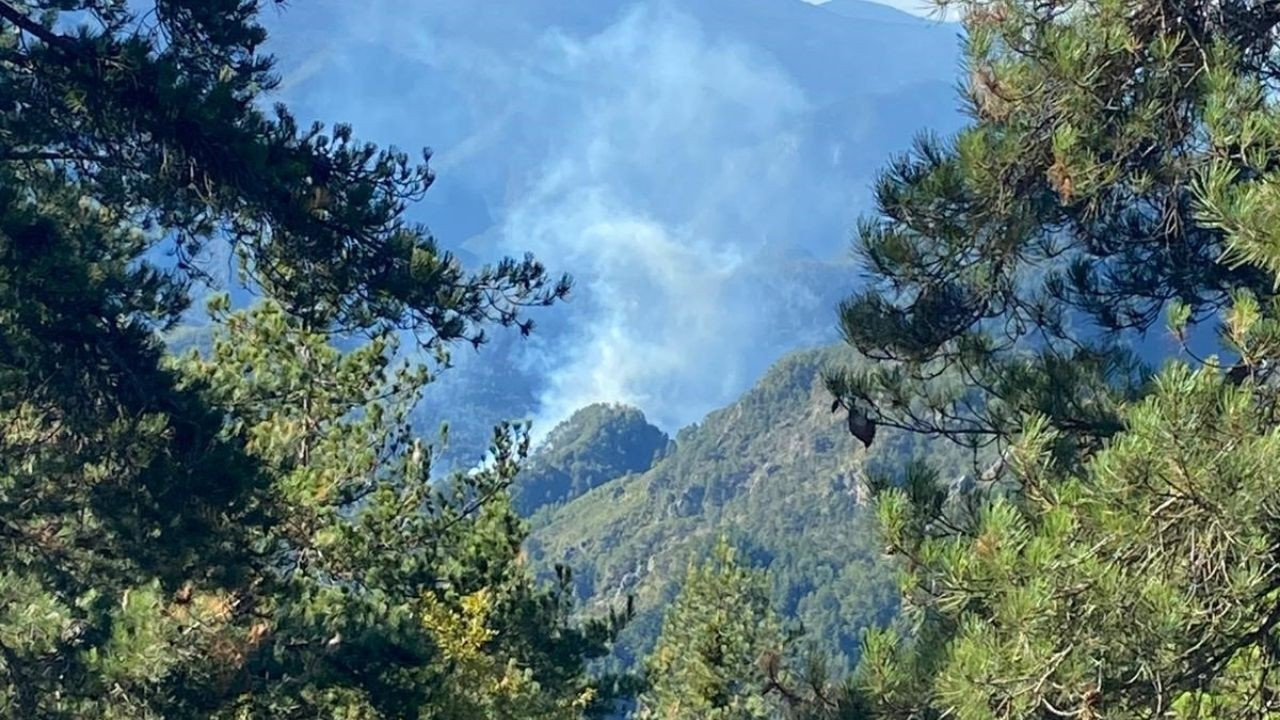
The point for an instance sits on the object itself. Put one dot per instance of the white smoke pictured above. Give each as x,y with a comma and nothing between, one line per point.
685,179
676,136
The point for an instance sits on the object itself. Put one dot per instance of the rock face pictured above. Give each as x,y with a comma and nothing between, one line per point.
778,473
596,444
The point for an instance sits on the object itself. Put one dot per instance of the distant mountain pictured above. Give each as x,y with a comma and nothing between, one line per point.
596,444
779,474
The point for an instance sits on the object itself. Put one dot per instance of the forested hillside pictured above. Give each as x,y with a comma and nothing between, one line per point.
778,473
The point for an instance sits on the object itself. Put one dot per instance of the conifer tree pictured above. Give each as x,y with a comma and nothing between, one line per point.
720,646
724,652
392,595
1119,561
248,534
153,111
1117,162
1143,586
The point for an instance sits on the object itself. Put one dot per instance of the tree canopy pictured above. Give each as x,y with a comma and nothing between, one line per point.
1118,561
251,532
155,111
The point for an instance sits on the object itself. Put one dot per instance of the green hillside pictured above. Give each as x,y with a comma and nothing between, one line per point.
598,443
779,474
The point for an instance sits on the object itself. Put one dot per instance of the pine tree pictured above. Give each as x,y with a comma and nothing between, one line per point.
1118,561
152,111
392,595
724,653
1117,163
249,534
721,646
1144,585
115,489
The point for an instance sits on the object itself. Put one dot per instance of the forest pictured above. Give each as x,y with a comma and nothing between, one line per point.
1038,478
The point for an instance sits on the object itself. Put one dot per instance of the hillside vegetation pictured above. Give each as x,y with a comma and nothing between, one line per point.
778,473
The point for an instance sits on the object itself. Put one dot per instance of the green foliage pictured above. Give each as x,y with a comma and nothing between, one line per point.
1119,560
154,110
724,652
116,487
248,532
394,596
720,647
1118,151
1146,583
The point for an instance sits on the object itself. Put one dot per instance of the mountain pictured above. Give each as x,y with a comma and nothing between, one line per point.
598,443
695,164
779,474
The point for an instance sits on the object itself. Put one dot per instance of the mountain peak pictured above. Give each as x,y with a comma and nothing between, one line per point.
596,444
777,472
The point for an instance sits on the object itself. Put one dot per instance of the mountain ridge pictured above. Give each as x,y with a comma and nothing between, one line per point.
777,472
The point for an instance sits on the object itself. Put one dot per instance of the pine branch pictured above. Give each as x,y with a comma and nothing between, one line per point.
31,27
